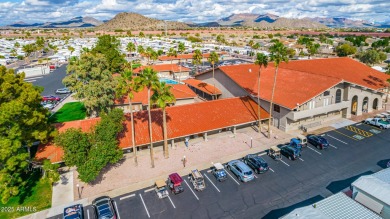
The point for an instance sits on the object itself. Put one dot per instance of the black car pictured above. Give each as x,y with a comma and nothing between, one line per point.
258,164
104,208
318,141
290,152
73,212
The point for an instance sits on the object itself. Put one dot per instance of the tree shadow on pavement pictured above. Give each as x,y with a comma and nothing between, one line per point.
277,213
337,186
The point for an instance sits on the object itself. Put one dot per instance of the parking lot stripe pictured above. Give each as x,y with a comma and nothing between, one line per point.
232,177
300,159
209,171
344,135
148,190
128,196
146,209
212,183
88,213
284,163
261,154
116,208
358,124
332,146
314,150
191,189
271,169
255,176
339,139
171,202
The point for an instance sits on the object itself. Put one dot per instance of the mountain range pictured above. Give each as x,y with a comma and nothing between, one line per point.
76,22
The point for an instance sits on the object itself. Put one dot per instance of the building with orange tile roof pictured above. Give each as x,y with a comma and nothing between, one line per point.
182,93
204,90
308,92
185,57
192,120
172,71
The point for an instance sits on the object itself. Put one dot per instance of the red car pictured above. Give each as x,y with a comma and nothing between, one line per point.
51,98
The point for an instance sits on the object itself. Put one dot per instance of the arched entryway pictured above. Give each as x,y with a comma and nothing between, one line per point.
365,105
375,104
338,96
354,105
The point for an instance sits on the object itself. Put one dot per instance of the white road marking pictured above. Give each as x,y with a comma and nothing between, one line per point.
33,77
255,176
148,190
128,196
271,169
337,139
284,162
314,150
300,159
191,189
209,171
30,80
146,209
358,124
88,213
116,208
232,177
212,183
172,202
261,154
332,146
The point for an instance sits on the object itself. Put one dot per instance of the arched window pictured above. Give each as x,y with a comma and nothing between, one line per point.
338,96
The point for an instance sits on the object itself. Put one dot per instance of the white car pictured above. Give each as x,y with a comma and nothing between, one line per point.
48,106
63,91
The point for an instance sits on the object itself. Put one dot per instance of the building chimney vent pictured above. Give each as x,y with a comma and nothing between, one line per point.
250,70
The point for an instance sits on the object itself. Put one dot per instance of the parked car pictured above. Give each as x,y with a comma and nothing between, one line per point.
51,98
258,164
73,212
219,172
241,170
161,189
274,153
174,183
197,180
290,152
63,91
104,208
48,106
378,122
318,141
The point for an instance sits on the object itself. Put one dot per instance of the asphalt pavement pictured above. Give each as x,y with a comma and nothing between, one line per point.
355,150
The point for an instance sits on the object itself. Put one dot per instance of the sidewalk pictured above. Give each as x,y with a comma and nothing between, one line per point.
63,190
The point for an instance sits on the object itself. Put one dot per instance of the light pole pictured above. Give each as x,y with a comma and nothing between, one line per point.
251,141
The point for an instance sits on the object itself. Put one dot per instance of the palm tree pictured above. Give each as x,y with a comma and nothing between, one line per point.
172,53
148,79
71,50
28,49
126,87
163,96
261,60
278,54
197,59
130,48
214,58
181,48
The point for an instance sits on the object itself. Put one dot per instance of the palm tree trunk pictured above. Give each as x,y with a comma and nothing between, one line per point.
150,131
133,131
258,99
271,103
166,152
214,96
179,70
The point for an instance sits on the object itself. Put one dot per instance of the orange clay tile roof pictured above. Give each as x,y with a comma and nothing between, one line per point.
180,91
300,81
202,86
182,121
185,56
164,68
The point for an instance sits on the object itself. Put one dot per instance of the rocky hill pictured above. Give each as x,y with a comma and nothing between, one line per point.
72,23
134,21
345,22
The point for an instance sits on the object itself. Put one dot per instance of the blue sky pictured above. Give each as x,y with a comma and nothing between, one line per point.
30,11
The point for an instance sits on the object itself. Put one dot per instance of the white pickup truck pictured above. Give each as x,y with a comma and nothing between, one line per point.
378,122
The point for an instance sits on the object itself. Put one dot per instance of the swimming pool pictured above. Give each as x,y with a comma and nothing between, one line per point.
168,81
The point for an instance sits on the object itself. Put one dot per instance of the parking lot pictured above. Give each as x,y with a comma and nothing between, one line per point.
354,150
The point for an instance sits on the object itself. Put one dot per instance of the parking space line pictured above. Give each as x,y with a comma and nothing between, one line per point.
271,169
146,209
191,189
255,176
88,213
261,154
358,124
148,190
332,146
284,162
300,159
116,208
125,197
314,150
212,183
209,171
345,135
232,177
339,139
171,202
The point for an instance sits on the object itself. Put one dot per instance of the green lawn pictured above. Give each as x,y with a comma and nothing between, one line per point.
69,112
36,196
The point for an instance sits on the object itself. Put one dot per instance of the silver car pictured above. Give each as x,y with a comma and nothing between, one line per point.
241,170
63,91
